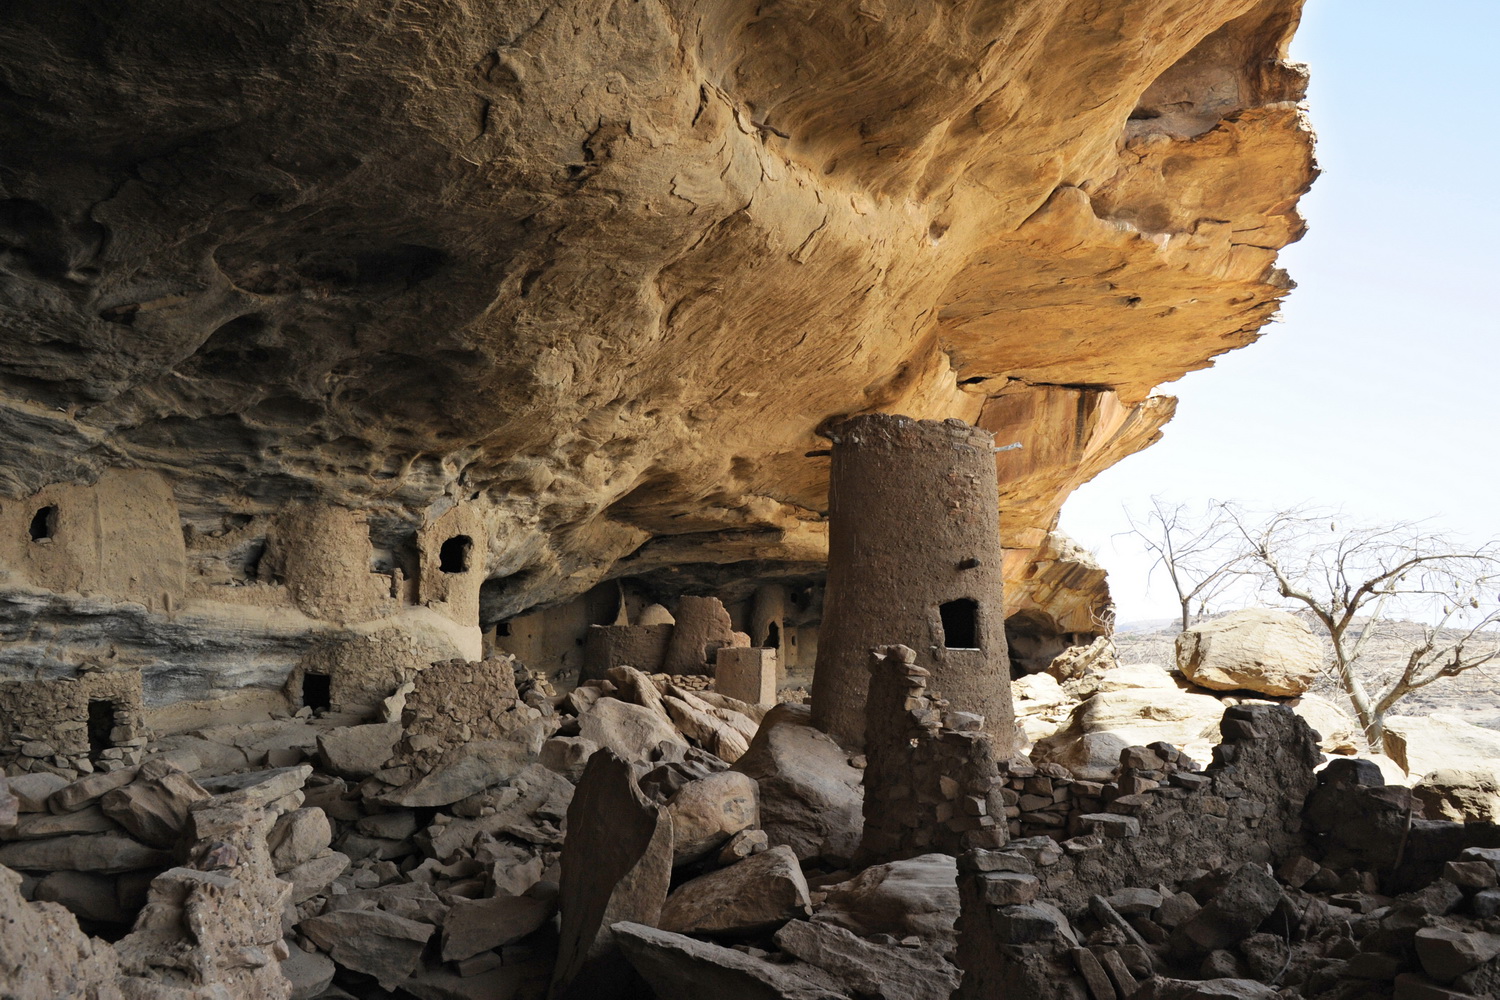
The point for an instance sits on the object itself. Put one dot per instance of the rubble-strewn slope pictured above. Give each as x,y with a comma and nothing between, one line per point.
602,269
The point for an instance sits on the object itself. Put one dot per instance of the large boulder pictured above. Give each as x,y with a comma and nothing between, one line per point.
811,797
759,893
631,731
1135,706
914,896
1256,649
1464,795
1425,743
707,812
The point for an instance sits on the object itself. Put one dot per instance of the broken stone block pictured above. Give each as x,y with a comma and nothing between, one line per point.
757,894
33,790
309,972
154,807
356,752
678,967
373,942
746,674
86,791
917,896
1250,895
709,731
1008,888
811,799
298,837
312,877
1471,875
1111,825
707,812
40,826
476,925
567,755
742,845
611,872
1447,953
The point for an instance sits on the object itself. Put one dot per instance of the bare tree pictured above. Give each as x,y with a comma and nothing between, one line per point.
1358,581
1200,553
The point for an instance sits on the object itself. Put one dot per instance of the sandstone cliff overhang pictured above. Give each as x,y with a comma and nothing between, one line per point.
599,271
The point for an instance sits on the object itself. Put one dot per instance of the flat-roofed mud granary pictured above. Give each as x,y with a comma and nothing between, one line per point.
419,571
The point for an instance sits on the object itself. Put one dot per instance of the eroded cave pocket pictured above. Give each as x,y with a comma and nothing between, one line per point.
960,623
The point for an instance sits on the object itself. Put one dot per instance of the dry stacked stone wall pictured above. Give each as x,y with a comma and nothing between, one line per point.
72,725
1019,903
932,781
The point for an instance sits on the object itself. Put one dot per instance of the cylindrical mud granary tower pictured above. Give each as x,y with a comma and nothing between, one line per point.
913,558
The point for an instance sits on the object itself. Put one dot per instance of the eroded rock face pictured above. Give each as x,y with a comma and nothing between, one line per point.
579,289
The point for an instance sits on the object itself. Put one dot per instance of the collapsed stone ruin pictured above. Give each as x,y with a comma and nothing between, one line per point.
456,541
646,833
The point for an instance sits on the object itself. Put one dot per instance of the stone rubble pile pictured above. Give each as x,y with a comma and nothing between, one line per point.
634,838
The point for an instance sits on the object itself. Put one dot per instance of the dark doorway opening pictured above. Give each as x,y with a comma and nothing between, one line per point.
44,523
453,557
960,623
502,629
773,636
317,692
101,724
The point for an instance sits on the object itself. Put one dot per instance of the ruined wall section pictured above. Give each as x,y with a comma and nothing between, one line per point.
932,782
1246,806
72,725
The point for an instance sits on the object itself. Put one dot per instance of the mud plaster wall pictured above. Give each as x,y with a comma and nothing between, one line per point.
56,713
367,664
913,523
321,553
553,640
451,576
120,537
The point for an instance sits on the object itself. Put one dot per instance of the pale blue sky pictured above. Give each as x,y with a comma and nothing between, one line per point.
1380,390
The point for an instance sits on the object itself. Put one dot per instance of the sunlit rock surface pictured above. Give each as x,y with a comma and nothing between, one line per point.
588,277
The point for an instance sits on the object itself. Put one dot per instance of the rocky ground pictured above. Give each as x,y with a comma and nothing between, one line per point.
646,836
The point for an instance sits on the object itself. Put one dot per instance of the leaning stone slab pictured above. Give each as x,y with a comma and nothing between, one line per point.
876,971
312,877
681,968
108,853
613,871
86,791
475,925
357,752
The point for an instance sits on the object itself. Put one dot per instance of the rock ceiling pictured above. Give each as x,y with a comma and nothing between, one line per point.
603,268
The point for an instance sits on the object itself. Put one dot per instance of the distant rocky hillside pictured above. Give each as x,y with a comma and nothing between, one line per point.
1473,697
